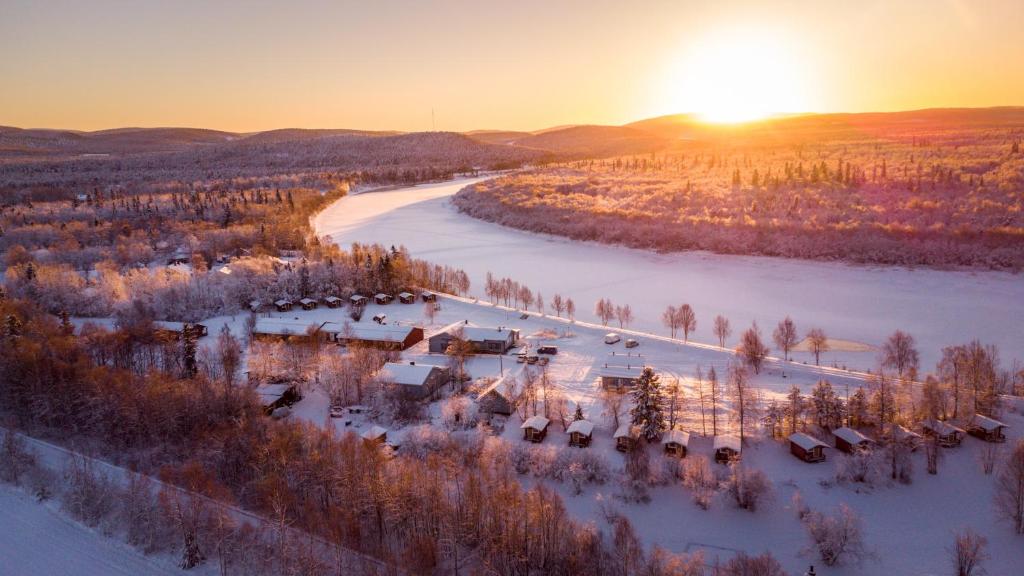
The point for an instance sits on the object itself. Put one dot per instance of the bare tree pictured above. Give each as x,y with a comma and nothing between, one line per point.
837,538
785,336
670,318
605,310
818,342
624,314
968,553
613,402
899,353
752,348
570,309
748,487
713,399
674,402
722,329
687,320
539,301
558,304
229,352
1009,494
699,479
743,397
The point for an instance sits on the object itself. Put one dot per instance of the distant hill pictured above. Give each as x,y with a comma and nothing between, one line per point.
497,136
594,141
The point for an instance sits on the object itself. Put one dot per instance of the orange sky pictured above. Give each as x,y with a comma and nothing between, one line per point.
384,64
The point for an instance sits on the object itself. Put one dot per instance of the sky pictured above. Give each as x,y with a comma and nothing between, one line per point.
465,65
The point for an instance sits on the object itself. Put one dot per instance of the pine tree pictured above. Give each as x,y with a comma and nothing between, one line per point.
579,414
647,409
188,336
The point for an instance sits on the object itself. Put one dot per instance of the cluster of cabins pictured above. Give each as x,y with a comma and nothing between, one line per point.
810,449
356,301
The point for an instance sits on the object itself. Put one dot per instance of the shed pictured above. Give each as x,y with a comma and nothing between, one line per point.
581,432
676,442
418,380
383,298
375,435
807,447
483,340
428,297
988,429
626,437
620,378
907,437
308,304
333,302
728,448
406,297
849,440
947,434
535,429
283,305
274,396
358,300
493,399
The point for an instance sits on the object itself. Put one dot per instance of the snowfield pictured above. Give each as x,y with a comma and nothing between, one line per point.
856,303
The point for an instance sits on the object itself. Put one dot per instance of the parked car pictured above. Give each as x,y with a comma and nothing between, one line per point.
520,358
630,343
552,350
612,338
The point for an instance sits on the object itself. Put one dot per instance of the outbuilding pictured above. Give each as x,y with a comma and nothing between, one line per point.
728,448
283,305
333,302
807,447
947,434
620,378
535,429
849,440
428,296
358,300
383,299
417,380
308,304
988,429
675,443
626,437
406,297
494,399
277,395
255,305
375,435
581,432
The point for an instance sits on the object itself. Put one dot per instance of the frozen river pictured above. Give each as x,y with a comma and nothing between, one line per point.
858,303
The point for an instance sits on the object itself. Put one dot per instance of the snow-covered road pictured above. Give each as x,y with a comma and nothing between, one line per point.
858,303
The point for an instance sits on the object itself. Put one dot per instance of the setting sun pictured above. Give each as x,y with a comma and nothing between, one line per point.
739,76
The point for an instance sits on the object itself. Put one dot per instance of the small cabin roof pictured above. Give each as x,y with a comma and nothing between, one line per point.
903,433
851,436
270,393
941,427
374,432
407,374
536,422
382,296
405,295
307,301
627,430
728,441
357,298
332,299
987,424
676,437
629,371
806,441
584,427
282,302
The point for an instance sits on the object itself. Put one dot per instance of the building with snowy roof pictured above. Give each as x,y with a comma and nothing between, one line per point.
988,429
483,340
807,447
535,429
849,440
415,380
728,448
676,443
581,432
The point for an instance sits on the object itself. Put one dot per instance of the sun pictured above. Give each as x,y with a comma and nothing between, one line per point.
739,76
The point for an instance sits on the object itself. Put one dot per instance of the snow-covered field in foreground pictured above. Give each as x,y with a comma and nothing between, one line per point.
861,304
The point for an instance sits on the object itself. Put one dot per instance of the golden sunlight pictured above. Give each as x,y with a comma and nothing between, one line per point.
739,76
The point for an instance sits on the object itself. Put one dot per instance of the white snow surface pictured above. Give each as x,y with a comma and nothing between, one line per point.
856,303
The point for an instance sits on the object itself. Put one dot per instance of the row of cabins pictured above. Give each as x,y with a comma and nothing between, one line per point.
386,337
810,449
356,300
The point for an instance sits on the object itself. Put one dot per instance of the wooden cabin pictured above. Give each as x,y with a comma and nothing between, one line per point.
428,297
277,395
620,378
493,399
383,299
675,443
807,447
948,435
283,305
255,305
581,432
375,435
988,429
308,304
406,297
333,302
626,437
535,429
483,340
358,300
728,449
906,437
849,440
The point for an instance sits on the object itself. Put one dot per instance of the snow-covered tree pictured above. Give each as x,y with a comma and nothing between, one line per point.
647,412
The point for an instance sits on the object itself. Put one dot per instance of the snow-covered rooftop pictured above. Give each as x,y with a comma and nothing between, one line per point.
307,301
537,422
405,295
629,371
375,332
627,430
941,427
281,327
851,436
282,302
905,433
728,441
480,333
806,441
332,299
676,437
270,393
584,427
357,298
987,424
406,374
374,433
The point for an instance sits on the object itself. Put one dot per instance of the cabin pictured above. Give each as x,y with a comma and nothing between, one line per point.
277,395
375,435
675,443
175,330
384,337
535,429
283,305
308,304
946,434
358,300
728,449
620,378
907,437
626,437
581,432
333,302
406,297
417,380
255,305
849,440
988,429
383,299
807,447
428,297
483,340
494,399
270,329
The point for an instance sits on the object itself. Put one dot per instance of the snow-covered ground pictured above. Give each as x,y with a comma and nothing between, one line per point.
855,303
